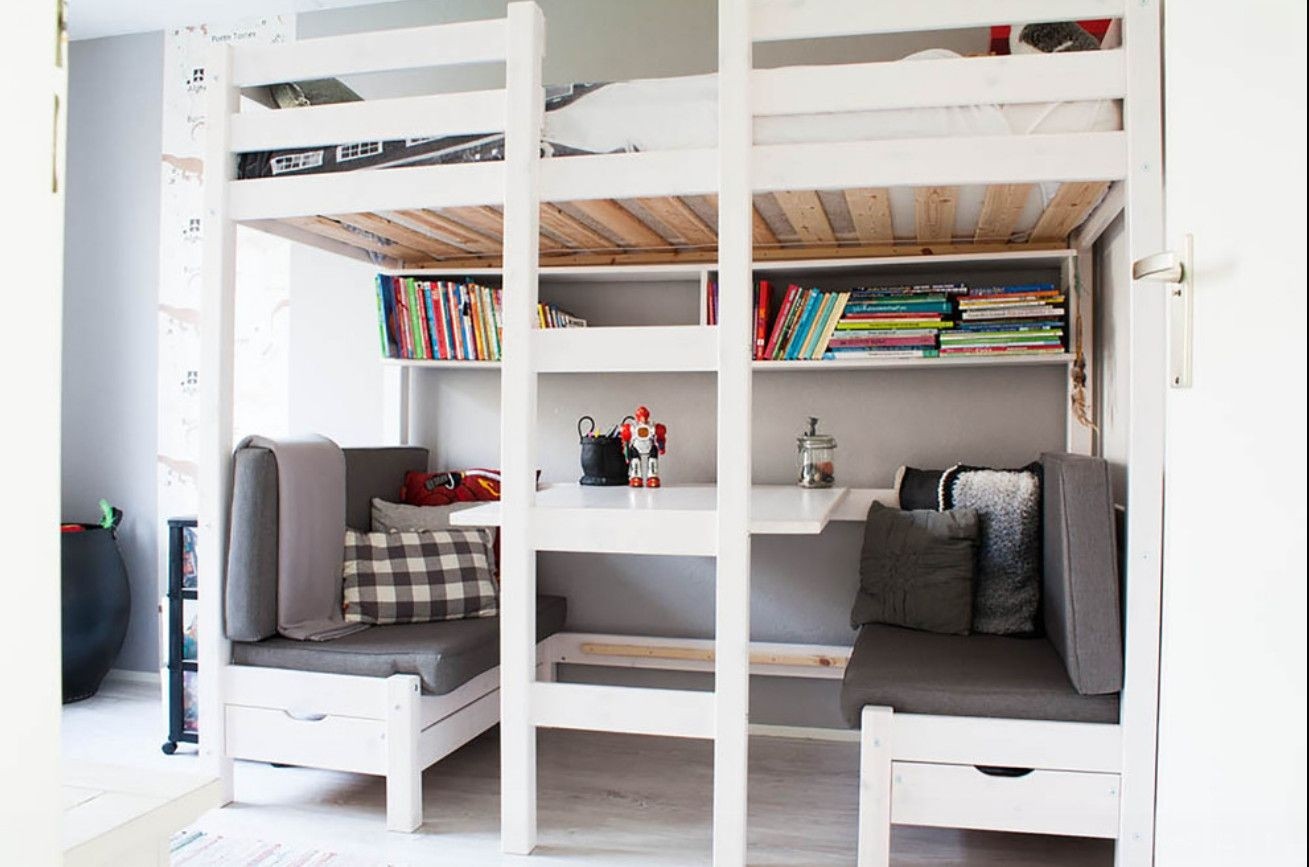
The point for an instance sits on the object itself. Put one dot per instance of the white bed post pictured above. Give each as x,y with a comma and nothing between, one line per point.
217,339
735,283
1142,121
395,404
404,769
524,107
875,731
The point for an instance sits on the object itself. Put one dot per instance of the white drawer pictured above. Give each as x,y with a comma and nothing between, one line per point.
1042,802
340,743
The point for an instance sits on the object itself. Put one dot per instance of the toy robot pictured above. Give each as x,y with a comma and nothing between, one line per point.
643,442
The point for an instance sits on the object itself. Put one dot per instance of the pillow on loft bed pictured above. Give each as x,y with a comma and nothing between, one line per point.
916,570
443,489
418,577
388,517
1007,586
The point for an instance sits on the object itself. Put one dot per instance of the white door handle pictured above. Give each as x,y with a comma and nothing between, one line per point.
1175,269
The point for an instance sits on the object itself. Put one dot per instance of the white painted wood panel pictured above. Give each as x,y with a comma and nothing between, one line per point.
1052,359
1041,802
340,743
1008,742
408,48
1091,156
396,189
681,532
776,20
629,176
444,114
305,693
610,349
1019,78
669,712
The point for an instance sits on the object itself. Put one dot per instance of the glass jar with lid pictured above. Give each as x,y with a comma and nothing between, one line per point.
816,457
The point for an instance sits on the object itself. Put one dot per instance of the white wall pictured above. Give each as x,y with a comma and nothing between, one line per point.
1112,308
111,261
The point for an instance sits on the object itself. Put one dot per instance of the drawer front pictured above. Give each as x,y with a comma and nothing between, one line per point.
1041,802
339,743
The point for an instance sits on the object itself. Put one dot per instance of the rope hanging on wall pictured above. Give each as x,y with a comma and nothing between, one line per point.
1077,371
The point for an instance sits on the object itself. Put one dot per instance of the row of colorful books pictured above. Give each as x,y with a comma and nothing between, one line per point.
1023,319
913,321
436,319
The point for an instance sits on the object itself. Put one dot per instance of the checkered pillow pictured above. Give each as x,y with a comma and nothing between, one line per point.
418,577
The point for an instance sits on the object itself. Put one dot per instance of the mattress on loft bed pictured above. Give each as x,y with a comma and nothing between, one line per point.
681,113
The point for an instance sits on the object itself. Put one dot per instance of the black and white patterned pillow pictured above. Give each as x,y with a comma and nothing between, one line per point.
418,577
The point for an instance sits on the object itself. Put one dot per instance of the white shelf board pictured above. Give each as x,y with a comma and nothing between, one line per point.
441,362
914,363
626,349
775,509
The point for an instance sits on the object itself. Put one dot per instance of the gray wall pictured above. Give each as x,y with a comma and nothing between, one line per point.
110,284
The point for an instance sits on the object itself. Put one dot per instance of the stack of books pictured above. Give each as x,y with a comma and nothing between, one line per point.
1026,319
805,321
893,322
759,315
550,316
439,320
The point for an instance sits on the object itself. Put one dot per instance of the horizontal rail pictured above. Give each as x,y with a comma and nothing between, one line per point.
446,114
1001,159
1064,77
824,662
776,20
609,350
381,50
670,712
630,175
398,189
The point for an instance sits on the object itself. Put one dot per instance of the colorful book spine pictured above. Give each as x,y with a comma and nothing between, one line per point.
779,321
433,325
762,297
803,324
402,316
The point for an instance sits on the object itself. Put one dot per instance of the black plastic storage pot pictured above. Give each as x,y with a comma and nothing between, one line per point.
97,603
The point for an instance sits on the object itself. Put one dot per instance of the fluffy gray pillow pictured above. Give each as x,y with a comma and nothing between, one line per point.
916,570
1007,597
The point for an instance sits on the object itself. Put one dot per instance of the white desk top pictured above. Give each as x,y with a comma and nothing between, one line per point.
109,810
775,509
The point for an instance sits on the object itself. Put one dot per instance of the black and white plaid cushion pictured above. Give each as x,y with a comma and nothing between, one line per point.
417,577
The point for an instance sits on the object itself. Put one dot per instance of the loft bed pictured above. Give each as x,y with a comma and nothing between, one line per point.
1054,108
732,199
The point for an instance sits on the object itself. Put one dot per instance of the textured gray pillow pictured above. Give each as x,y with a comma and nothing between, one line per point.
1007,593
402,518
916,570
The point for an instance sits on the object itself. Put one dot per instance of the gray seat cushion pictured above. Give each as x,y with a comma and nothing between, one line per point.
445,655
1080,587
964,675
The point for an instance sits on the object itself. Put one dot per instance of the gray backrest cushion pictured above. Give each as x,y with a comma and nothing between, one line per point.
379,473
250,595
1080,577
251,592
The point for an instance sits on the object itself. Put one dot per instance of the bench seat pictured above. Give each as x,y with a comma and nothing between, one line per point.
445,655
964,675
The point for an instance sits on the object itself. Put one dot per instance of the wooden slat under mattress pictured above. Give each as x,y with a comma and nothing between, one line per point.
801,224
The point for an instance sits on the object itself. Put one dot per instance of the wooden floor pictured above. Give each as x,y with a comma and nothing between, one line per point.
612,800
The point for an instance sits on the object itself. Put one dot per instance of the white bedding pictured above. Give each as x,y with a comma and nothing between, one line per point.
677,113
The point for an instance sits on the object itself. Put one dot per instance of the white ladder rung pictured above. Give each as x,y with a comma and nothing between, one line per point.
669,712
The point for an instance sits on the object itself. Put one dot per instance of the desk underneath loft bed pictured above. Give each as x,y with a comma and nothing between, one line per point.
735,205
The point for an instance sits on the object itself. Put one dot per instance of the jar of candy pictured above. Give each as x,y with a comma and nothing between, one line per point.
817,454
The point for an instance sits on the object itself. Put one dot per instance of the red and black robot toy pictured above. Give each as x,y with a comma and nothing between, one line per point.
643,443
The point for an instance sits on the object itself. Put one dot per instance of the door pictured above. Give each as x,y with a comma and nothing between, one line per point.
1231,759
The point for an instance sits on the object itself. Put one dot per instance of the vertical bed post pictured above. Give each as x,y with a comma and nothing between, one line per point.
524,108
735,284
1142,120
395,405
217,346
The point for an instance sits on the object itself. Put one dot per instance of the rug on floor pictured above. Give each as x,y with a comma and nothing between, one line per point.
202,849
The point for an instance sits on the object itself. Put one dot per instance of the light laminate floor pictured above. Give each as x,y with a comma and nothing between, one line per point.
605,799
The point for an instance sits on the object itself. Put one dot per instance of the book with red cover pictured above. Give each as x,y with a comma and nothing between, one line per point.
402,314
783,312
761,318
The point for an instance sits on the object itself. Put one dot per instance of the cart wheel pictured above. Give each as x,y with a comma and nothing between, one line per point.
169,748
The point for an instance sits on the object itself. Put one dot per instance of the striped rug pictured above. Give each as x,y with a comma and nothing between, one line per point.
201,849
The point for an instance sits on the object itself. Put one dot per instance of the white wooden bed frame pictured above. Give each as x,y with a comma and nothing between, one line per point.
235,701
